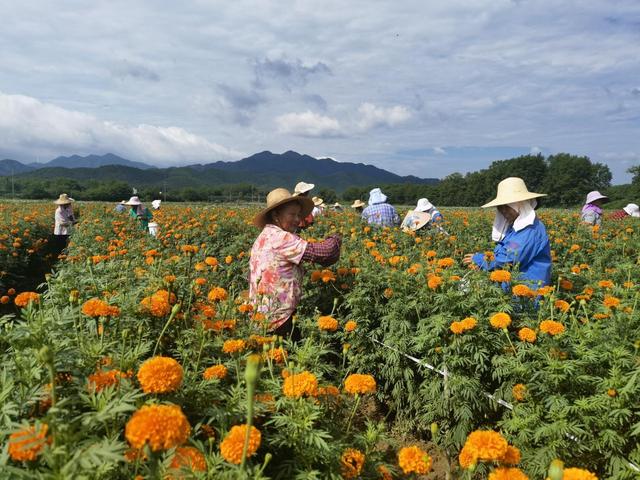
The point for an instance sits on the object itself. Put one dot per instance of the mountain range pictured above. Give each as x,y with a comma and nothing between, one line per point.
264,169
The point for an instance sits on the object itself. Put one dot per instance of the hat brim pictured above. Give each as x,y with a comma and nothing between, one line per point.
507,199
307,189
424,218
306,204
133,204
64,202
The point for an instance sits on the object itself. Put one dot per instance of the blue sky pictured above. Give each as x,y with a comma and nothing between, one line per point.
416,87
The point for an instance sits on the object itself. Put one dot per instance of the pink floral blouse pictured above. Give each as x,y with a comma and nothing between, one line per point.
275,280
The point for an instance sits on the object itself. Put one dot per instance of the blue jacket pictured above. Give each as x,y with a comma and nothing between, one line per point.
529,249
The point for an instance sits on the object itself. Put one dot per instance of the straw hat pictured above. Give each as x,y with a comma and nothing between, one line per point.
417,221
63,200
278,197
133,201
317,201
424,205
632,209
302,187
337,205
358,204
512,190
596,195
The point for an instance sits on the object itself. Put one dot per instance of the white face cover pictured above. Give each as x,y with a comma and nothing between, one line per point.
526,217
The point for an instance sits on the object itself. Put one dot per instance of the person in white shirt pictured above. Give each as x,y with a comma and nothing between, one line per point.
64,221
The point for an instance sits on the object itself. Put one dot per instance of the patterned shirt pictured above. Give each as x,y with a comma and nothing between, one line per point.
381,214
618,215
276,273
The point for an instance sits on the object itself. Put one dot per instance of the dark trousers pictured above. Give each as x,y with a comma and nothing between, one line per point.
288,329
58,244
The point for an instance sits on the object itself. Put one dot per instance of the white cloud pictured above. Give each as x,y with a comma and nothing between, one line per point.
439,150
31,128
372,116
535,150
308,124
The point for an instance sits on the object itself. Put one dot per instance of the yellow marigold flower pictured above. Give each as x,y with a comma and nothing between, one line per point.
161,426
217,294
327,323
512,456
25,298
500,276
26,444
577,474
357,383
232,445
504,473
414,460
628,284
446,262
103,379
216,371
610,301
519,392
233,346
189,458
523,291
527,335
434,282
500,320
561,305
299,384
97,308
351,463
350,326
160,375
551,327
489,446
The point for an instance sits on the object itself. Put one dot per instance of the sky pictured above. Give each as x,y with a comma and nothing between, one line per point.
418,87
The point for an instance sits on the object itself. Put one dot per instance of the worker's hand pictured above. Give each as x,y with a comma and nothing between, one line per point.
467,259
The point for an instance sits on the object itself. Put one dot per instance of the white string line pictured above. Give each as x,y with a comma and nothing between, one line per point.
499,401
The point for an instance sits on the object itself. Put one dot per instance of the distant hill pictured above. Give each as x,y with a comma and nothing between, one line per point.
13,167
91,161
263,169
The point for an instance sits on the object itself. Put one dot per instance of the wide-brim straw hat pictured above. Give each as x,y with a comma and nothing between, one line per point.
277,198
632,209
317,201
134,201
64,199
596,195
302,187
512,190
420,220
358,204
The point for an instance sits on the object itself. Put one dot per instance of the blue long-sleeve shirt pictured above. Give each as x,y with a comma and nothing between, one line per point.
529,249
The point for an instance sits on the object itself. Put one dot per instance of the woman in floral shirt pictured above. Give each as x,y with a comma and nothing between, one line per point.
276,276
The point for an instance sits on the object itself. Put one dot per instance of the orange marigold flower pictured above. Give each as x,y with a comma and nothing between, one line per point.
245,308
434,282
446,262
278,355
5,299
388,293
489,446
351,463
500,276
358,383
327,276
504,473
561,305
413,459
103,379
628,284
232,445
456,328
566,284
605,284
217,371
512,456
97,308
298,384
519,392
384,472
577,474
25,298
328,391
469,323
551,327
161,426
26,444
189,458
158,304
431,254
350,326
160,375
217,294
500,320
526,334
523,291
234,346
327,323
544,291
468,457
610,301
211,261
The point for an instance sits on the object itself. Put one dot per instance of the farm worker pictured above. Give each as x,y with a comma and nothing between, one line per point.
358,205
631,210
337,207
379,212
592,209
521,238
64,221
414,220
139,212
275,267
156,204
318,206
302,189
424,205
121,207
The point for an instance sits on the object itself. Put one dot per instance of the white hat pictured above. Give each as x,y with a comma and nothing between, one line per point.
424,205
512,190
302,187
595,195
134,201
632,209
278,197
376,196
64,200
317,201
358,203
156,204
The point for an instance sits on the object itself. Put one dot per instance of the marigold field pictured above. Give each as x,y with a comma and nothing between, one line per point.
141,357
